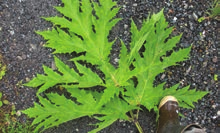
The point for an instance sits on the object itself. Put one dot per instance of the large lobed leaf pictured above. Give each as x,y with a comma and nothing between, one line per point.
58,110
85,28
87,32
68,75
156,42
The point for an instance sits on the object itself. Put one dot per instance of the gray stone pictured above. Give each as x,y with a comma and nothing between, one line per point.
195,16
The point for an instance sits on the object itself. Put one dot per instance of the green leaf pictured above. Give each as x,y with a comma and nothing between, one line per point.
62,42
123,70
216,77
82,37
58,109
52,78
83,97
185,96
69,75
201,19
114,110
157,42
109,92
89,78
5,102
2,68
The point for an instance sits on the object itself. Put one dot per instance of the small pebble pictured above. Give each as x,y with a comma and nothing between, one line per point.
218,113
19,57
205,64
1,8
125,26
23,56
174,19
28,17
209,23
163,76
215,59
168,4
190,16
33,46
124,124
185,6
214,106
200,59
12,32
116,60
199,13
53,66
135,4
27,79
121,120
18,113
188,70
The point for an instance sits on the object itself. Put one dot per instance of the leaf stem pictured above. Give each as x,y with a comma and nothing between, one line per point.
137,114
114,80
105,68
136,123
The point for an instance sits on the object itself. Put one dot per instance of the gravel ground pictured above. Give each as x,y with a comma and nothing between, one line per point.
24,55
